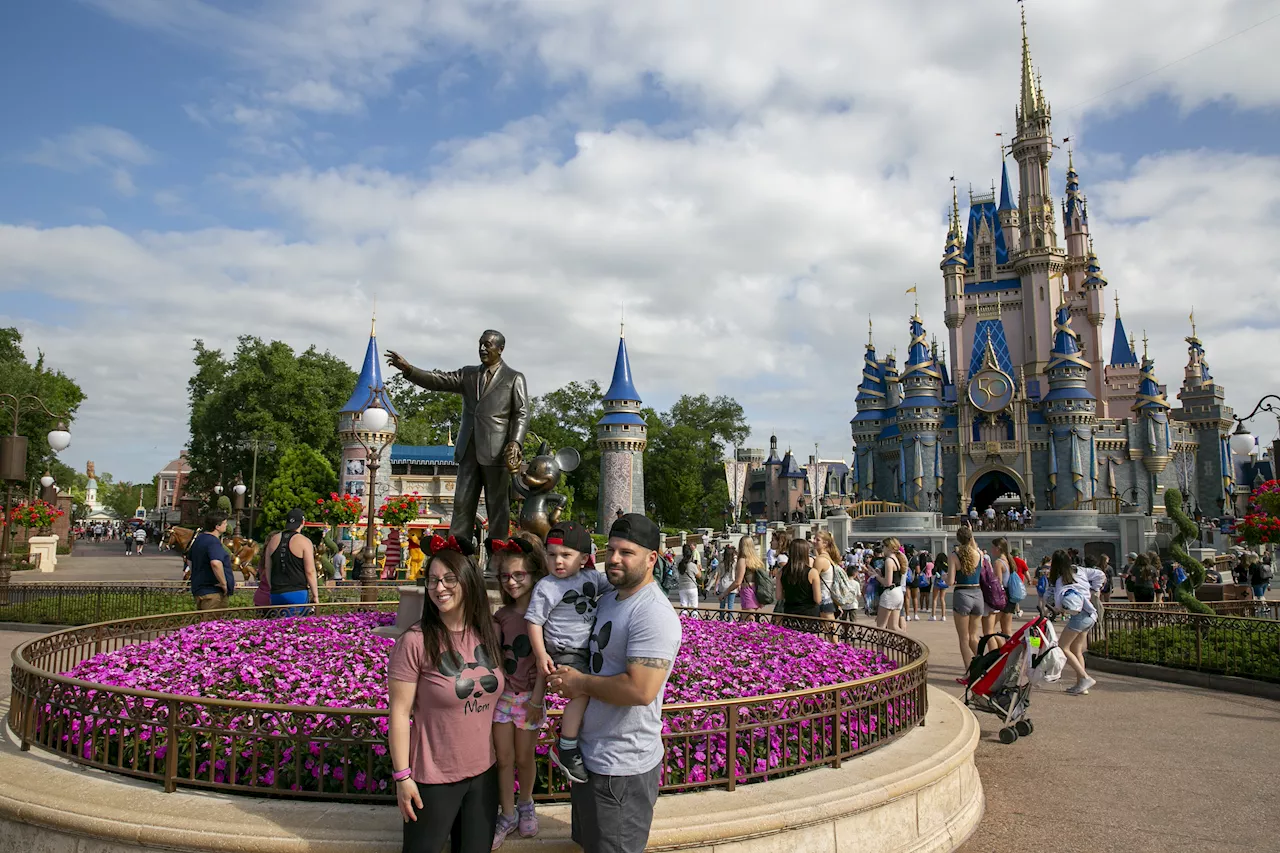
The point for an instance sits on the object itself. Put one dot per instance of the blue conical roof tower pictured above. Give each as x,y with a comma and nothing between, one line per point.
622,436
1122,354
369,386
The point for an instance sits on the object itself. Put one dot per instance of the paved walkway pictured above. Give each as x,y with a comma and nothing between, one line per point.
108,562
1137,765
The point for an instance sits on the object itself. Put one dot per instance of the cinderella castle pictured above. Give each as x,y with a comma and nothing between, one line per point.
1027,404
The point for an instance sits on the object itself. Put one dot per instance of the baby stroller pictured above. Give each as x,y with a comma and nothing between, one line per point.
1000,680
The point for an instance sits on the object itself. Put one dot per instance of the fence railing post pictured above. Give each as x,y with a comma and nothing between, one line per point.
1199,638
171,751
731,765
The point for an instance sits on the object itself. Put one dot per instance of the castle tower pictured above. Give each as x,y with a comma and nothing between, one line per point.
1122,373
1040,262
1093,286
352,470
1075,227
867,424
919,419
91,489
1157,441
622,435
1008,211
953,268
1071,411
773,509
1205,410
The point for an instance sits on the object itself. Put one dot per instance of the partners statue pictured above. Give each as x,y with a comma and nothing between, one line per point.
495,418
536,482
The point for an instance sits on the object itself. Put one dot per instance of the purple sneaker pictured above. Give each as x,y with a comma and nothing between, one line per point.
506,825
528,819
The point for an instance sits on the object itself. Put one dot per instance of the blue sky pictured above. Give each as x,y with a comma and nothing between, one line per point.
752,181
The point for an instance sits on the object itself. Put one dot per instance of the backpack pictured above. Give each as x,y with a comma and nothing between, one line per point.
1016,589
1266,572
766,590
992,592
842,592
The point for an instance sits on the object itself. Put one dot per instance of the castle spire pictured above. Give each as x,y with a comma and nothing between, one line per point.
622,388
1122,354
369,387
1030,100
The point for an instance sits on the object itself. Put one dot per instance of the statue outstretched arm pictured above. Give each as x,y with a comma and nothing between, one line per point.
435,380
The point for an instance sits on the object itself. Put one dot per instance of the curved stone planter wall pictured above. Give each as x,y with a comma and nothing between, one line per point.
919,794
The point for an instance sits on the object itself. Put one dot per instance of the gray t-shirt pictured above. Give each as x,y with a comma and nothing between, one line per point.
627,741
566,608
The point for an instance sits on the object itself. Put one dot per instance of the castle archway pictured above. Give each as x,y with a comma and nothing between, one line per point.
989,486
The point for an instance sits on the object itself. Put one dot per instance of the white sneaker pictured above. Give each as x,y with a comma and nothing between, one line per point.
1081,688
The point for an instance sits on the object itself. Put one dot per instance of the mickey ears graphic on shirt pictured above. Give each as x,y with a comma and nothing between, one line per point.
601,640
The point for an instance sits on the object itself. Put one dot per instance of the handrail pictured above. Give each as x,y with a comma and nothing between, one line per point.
258,745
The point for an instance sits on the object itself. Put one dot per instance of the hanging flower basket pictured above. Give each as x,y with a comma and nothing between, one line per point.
340,510
399,510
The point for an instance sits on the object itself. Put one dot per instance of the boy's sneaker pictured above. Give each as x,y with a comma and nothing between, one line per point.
1081,688
570,761
506,825
528,818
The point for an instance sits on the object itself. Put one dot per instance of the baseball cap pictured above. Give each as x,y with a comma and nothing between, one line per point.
1133,555
294,519
637,528
570,534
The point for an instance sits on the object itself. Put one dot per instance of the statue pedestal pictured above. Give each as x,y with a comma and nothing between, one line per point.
407,614
44,552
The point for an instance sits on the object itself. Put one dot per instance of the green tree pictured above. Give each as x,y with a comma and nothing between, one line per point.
122,497
56,390
684,465
263,389
303,477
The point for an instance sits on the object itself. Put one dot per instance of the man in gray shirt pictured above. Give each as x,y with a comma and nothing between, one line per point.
632,649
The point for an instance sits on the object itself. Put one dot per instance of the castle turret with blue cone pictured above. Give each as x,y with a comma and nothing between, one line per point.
867,425
1156,437
369,391
919,419
622,436
1071,411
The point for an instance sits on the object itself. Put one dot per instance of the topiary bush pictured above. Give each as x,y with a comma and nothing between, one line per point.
1185,592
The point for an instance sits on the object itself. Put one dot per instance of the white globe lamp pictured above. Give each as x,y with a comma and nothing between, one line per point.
1242,441
60,438
374,418
46,480
240,488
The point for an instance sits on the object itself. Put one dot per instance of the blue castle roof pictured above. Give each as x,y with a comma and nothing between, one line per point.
979,213
1064,339
1122,354
1006,197
427,454
1149,396
790,468
992,330
919,358
872,388
370,383
622,388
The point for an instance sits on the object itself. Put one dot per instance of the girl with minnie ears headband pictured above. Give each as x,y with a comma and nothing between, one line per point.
519,563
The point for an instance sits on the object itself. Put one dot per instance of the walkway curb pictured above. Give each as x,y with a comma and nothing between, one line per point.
1188,677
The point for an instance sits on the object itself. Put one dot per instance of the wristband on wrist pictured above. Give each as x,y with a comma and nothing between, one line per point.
401,775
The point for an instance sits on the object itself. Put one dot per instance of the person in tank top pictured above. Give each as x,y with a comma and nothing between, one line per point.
290,564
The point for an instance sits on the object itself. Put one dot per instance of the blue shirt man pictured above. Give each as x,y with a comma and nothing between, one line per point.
212,580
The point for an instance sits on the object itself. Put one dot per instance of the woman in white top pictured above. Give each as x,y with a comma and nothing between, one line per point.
826,559
1072,589
889,608
687,575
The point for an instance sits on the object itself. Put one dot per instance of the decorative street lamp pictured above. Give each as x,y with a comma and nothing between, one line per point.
255,444
373,420
1243,442
217,490
13,464
237,502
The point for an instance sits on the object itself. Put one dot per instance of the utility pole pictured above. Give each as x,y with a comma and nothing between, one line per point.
255,444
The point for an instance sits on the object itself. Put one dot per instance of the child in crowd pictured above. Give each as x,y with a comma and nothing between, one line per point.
561,616
519,563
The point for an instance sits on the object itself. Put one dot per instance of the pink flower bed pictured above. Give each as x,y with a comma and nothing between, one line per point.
336,662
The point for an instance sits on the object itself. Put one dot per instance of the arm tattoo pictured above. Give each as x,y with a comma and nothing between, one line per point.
655,663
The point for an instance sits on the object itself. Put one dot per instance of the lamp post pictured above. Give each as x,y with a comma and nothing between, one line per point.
373,420
237,503
13,465
256,444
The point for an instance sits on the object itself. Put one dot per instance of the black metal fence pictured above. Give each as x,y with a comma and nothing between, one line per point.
1224,645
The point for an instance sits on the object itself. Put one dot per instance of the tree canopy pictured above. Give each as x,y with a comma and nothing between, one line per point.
426,417
303,477
684,463
263,390
55,389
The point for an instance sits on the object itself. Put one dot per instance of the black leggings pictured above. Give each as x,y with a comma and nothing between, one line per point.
465,812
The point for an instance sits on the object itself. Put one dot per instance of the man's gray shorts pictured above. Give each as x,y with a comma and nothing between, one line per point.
576,658
613,814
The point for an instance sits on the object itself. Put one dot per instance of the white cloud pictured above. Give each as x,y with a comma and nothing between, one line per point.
799,189
95,147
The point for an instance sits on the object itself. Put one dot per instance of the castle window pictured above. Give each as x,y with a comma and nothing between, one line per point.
984,251
984,272
1042,294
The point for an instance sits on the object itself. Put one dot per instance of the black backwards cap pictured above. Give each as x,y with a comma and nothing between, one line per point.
637,528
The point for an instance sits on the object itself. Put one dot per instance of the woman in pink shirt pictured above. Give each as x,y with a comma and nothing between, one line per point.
446,676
